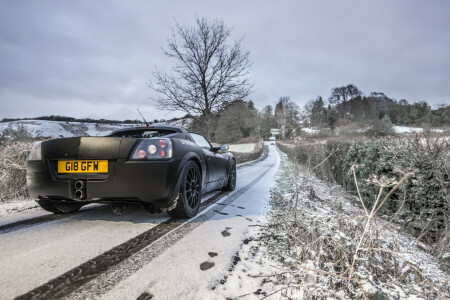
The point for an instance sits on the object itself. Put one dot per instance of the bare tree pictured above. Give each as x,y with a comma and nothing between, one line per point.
281,114
341,95
208,71
287,116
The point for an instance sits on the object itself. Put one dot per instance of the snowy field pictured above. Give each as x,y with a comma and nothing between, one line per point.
397,129
57,129
243,148
406,129
311,130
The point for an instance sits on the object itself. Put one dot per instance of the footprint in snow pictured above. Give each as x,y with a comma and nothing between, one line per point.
145,296
212,254
226,233
206,265
222,213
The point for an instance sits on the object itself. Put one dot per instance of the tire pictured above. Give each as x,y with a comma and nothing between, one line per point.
59,207
231,184
190,194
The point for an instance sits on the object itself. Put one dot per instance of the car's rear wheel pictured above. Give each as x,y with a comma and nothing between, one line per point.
231,184
190,195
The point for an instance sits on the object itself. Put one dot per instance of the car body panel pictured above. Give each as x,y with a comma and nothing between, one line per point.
155,181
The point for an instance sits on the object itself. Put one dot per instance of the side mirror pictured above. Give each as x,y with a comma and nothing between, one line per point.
224,147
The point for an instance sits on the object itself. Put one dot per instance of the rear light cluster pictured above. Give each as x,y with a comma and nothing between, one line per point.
153,149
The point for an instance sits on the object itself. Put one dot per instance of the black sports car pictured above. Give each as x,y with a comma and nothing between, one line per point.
161,167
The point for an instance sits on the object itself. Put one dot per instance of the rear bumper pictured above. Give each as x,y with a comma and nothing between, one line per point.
154,182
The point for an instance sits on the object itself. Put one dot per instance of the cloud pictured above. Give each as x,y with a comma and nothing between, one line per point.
95,58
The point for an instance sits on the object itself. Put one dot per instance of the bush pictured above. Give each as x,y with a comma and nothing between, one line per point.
381,128
421,204
16,133
13,156
248,156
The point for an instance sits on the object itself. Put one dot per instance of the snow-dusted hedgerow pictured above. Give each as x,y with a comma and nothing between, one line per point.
13,156
421,203
248,156
330,249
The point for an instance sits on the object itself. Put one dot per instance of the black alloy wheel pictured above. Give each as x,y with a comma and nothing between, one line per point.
190,194
192,188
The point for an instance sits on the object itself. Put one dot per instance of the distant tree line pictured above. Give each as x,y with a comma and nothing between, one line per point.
88,120
239,119
348,104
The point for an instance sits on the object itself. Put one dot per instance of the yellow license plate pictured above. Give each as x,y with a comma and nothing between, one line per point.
82,166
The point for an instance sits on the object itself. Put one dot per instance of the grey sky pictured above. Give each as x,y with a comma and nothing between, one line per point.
94,58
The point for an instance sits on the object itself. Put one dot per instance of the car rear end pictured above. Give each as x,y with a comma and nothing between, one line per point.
99,169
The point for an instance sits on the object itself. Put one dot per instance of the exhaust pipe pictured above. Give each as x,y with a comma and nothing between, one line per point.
79,194
80,184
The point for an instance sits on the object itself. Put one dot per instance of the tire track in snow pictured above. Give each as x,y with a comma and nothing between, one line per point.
28,222
110,279
34,221
82,277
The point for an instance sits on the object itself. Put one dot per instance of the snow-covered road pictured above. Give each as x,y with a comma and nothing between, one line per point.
98,254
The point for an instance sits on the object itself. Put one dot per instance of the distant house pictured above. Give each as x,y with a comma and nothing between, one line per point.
275,131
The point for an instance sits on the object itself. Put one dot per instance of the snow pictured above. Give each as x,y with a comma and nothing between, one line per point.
311,130
324,214
57,129
406,129
232,242
244,148
398,129
16,206
55,247
176,273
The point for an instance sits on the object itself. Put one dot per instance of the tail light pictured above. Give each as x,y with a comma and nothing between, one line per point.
36,152
162,144
153,149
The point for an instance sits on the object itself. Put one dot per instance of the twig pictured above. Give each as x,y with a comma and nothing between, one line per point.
366,227
325,289
403,179
279,290
375,209
269,275
323,161
327,273
357,189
